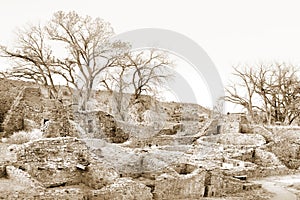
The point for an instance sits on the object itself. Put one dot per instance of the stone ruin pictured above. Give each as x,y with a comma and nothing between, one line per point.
101,125
31,110
125,165
64,167
230,123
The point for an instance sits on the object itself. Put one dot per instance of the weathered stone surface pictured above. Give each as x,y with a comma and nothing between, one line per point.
99,124
31,110
9,90
288,152
232,185
266,159
27,105
98,175
124,189
258,129
154,163
175,186
23,178
68,193
237,139
3,169
285,144
172,129
53,162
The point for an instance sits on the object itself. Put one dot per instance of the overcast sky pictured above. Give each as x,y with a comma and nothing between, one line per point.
231,31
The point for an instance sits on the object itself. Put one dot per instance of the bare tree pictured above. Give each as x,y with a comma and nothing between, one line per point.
279,89
80,51
75,48
272,90
149,70
137,73
33,58
89,47
242,93
116,81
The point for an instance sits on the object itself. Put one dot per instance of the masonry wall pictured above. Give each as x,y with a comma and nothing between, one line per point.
99,124
63,161
22,177
191,186
31,110
9,89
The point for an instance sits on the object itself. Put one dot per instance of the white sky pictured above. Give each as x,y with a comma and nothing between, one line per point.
231,31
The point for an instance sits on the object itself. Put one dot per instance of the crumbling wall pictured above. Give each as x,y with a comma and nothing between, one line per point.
31,110
9,89
231,123
171,129
73,193
266,159
237,139
285,144
287,151
99,124
23,178
177,112
63,161
176,186
195,183
56,119
261,130
26,105
124,189
3,169
214,183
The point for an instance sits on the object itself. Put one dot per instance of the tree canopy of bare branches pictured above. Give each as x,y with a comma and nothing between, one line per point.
272,90
90,49
79,50
33,58
138,73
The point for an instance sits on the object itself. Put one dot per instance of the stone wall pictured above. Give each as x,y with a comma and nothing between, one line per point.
74,193
63,161
176,186
63,168
177,112
30,110
195,185
124,189
56,119
231,123
237,139
287,151
99,124
14,120
23,178
9,89
285,144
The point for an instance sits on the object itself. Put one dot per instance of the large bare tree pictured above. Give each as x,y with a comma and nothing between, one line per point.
33,58
272,90
242,93
139,73
89,45
79,50
149,70
75,48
